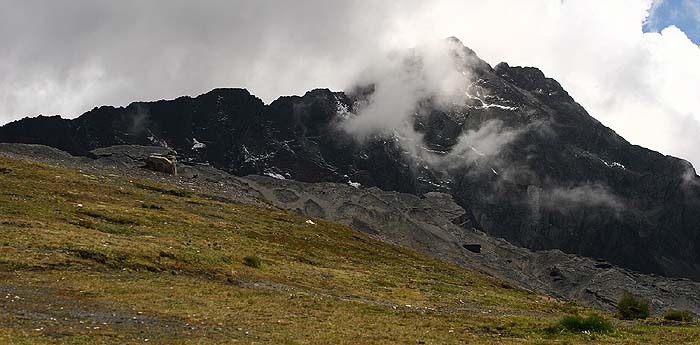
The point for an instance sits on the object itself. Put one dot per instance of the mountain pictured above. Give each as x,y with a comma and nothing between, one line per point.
525,161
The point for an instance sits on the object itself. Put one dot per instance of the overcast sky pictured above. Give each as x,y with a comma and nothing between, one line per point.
630,63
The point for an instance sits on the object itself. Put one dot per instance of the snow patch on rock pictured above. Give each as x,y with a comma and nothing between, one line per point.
275,175
196,145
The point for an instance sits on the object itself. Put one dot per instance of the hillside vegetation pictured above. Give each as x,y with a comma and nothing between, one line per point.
88,259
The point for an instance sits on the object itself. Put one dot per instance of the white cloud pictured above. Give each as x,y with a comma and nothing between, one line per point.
588,195
404,78
67,57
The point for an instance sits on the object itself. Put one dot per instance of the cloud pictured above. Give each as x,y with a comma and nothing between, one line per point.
139,120
585,195
574,197
483,144
66,57
435,71
70,56
407,84
684,14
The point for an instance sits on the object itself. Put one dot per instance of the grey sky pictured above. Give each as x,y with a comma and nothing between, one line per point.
65,57
67,54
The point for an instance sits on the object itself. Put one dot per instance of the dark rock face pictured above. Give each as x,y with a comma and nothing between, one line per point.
565,181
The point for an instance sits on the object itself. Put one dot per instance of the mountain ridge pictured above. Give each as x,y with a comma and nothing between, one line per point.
558,178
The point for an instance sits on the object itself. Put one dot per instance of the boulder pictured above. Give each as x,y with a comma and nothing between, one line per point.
162,164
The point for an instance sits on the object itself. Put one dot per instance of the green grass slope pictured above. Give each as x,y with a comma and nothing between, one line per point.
105,259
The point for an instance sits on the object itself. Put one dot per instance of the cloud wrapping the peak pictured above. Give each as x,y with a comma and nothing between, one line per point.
69,56
435,70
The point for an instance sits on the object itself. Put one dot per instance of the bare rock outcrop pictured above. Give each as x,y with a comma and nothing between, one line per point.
162,164
434,224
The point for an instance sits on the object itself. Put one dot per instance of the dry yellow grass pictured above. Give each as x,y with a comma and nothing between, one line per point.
104,259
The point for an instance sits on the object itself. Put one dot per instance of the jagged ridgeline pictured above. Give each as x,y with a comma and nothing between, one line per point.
515,150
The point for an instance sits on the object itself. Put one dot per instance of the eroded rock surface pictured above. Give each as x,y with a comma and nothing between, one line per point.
434,224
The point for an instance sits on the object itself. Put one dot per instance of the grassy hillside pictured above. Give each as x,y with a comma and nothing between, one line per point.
105,259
